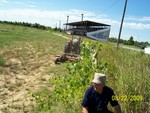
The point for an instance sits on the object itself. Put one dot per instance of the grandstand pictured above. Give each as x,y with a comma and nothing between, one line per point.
94,30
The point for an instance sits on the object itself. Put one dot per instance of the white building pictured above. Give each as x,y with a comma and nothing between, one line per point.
147,50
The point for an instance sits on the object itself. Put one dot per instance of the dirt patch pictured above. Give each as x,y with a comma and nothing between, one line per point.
25,70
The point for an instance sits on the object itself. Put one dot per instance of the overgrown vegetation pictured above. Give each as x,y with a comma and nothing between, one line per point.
131,42
127,73
69,89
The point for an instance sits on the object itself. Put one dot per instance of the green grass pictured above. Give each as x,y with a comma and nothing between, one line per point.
17,35
32,47
128,72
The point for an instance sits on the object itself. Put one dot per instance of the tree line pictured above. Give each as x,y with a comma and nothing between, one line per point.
130,41
33,25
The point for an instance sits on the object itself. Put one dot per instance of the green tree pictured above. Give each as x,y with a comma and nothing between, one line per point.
131,41
112,39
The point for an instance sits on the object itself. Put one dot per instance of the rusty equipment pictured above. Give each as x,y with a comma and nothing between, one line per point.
66,57
71,51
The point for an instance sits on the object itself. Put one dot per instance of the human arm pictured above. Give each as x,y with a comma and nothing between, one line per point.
86,101
85,110
115,103
117,108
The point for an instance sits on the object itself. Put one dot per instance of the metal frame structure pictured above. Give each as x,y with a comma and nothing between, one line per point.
90,29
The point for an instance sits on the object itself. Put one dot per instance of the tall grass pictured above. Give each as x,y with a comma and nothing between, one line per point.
129,74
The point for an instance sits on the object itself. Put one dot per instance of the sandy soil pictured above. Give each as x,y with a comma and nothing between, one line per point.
22,73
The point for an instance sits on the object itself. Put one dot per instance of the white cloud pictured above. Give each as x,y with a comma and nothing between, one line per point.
44,17
142,19
137,25
50,18
26,4
3,1
18,3
32,6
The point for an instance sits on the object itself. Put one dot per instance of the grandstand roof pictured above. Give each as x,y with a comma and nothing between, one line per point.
87,23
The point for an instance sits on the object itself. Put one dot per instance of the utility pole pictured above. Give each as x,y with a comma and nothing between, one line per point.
82,17
60,25
121,24
56,25
82,29
67,22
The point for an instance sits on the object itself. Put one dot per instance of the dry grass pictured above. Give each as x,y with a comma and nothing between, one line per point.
29,57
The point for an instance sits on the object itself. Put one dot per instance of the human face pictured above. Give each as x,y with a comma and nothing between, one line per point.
98,87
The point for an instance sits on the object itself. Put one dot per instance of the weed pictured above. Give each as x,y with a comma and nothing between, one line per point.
2,60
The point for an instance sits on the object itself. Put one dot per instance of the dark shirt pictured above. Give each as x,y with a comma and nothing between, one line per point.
97,103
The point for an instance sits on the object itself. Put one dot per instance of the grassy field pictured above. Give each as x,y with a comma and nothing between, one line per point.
27,62
27,68
129,73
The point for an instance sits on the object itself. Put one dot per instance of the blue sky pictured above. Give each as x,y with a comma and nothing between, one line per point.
50,12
